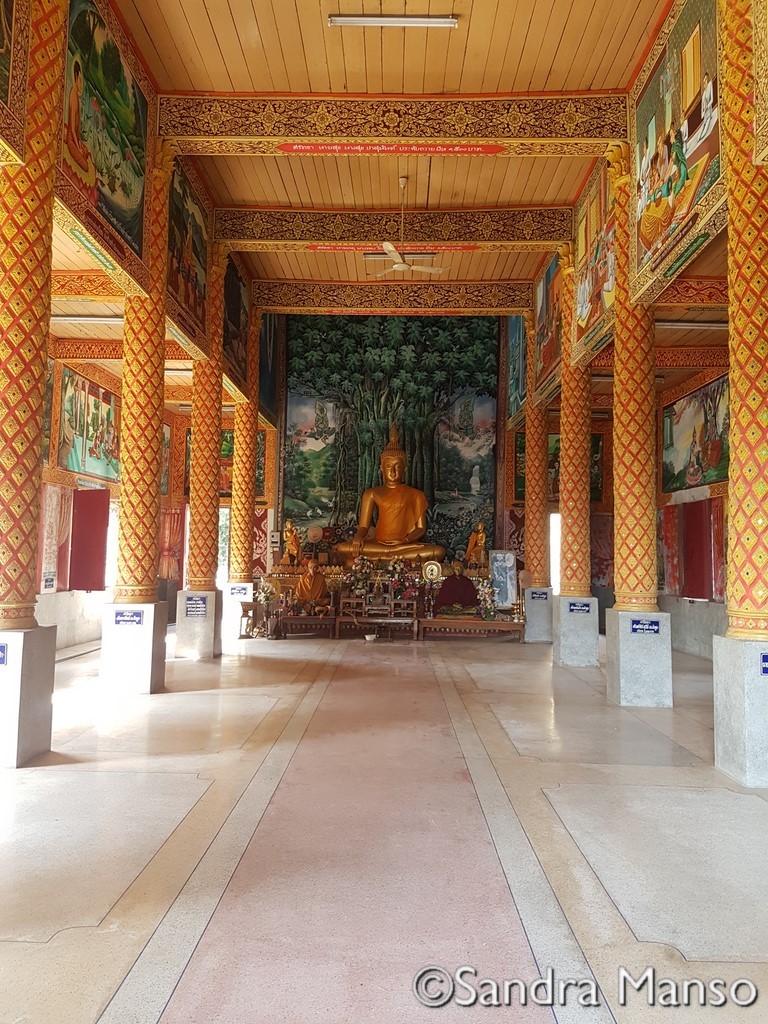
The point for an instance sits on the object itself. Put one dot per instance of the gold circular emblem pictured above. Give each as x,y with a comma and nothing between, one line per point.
432,571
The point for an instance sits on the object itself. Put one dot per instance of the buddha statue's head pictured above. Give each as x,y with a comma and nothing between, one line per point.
393,461
480,528
458,568
312,566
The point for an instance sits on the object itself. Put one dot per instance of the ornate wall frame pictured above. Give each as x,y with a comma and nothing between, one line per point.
181,318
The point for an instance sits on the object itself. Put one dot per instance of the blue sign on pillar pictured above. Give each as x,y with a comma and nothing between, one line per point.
196,606
764,664
3,655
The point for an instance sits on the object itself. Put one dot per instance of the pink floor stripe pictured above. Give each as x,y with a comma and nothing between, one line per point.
372,861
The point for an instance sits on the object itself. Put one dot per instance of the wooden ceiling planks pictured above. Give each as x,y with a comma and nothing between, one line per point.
68,255
372,183
287,45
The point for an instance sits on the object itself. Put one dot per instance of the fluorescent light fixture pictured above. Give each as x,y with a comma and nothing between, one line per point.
405,255
693,325
393,20
60,319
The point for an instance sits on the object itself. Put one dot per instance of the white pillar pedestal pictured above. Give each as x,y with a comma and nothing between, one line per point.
639,658
198,624
741,709
538,615
133,646
575,631
233,596
27,663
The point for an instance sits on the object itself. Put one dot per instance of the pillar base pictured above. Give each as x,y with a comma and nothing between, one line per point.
27,664
741,709
198,624
232,598
639,658
133,646
575,631
538,615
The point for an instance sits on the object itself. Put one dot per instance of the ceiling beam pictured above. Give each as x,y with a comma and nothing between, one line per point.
704,292
84,286
87,348
276,124
398,297
679,357
518,229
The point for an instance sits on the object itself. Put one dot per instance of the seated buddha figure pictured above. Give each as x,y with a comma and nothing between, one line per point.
402,515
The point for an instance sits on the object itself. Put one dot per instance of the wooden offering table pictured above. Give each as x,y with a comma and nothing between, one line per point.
459,626
309,624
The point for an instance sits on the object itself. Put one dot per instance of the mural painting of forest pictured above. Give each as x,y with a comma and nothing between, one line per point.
105,125
6,40
348,377
695,438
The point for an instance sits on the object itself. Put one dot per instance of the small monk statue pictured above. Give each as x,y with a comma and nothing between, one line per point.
457,593
402,515
475,554
312,589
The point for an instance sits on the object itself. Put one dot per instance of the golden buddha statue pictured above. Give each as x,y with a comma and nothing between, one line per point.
402,515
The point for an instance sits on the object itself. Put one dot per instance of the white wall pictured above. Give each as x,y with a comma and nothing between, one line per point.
694,623
76,613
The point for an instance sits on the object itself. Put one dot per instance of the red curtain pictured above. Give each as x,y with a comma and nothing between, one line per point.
171,538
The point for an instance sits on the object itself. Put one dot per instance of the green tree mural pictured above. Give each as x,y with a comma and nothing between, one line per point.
379,370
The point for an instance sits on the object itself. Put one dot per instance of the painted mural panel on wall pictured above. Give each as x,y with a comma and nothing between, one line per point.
595,468
517,364
6,49
165,475
14,54
349,377
695,438
89,430
269,366
549,324
595,260
236,322
676,132
187,246
105,125
226,460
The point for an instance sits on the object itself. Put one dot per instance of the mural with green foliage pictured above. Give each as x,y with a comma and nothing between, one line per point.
349,377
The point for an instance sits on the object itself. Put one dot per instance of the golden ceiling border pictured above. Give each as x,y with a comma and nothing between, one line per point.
703,292
217,124
85,286
675,357
478,298
525,228
110,349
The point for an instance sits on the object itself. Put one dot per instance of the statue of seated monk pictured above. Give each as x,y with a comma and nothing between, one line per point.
312,589
402,515
457,592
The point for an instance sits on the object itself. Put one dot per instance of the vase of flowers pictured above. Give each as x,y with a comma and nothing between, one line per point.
486,599
358,576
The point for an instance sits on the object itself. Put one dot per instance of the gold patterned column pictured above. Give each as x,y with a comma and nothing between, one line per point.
26,227
634,419
536,523
141,430
747,185
244,466
575,418
204,471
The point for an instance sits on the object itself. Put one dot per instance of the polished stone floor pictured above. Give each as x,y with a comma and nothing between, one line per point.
292,834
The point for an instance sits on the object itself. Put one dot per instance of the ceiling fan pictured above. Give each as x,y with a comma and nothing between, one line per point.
399,263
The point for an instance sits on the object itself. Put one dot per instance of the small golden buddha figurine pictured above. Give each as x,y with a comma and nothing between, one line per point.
475,554
402,515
